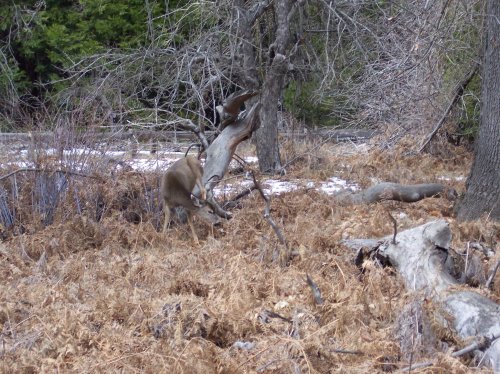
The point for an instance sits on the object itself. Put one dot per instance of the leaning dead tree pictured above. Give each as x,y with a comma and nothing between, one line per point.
419,255
235,129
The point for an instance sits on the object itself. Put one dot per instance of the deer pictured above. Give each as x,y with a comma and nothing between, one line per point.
177,186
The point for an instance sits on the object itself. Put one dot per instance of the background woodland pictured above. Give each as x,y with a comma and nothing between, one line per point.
97,96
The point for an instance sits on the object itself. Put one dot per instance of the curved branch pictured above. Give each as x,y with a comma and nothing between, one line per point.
459,90
188,125
230,109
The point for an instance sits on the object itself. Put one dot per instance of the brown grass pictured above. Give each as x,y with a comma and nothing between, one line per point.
115,295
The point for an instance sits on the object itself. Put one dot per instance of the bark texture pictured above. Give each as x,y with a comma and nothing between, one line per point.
483,185
267,134
244,19
271,76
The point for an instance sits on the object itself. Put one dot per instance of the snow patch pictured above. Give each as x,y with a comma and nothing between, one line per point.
76,158
335,184
458,178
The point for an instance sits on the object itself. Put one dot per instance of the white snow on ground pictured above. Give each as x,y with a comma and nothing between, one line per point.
162,163
251,159
224,189
141,162
277,187
335,184
108,153
145,162
151,165
447,179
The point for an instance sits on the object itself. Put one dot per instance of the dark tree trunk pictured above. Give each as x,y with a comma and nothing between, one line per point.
483,185
245,53
276,60
267,134
279,51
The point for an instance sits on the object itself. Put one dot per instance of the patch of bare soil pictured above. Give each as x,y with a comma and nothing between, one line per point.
109,293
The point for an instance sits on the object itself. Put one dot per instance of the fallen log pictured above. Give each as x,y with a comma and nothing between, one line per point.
398,192
419,255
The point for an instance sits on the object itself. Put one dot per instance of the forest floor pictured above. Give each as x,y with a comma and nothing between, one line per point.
115,294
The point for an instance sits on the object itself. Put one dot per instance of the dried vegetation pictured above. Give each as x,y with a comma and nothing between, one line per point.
100,289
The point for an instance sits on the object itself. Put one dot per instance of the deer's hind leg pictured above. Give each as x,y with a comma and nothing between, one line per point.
193,232
166,210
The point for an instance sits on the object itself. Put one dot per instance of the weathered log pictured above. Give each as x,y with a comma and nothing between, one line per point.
419,255
395,191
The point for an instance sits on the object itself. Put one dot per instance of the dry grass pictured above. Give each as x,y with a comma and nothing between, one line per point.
118,296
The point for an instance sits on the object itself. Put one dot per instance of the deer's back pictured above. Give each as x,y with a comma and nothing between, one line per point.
179,181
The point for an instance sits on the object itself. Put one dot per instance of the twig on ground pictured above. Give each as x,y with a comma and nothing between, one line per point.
488,252
347,352
266,314
481,343
265,366
395,226
489,282
315,290
267,212
231,203
254,356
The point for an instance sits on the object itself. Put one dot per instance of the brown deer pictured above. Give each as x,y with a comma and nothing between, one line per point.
176,190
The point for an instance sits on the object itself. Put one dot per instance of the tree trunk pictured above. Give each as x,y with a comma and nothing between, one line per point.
483,185
244,54
277,58
267,134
